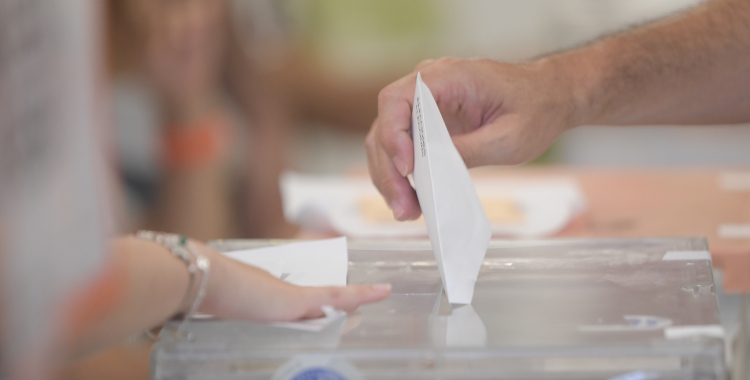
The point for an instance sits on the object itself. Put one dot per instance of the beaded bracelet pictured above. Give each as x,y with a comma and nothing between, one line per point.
198,267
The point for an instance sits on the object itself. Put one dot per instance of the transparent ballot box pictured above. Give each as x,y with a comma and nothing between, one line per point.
620,309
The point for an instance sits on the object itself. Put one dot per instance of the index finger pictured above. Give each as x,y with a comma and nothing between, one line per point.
394,123
395,188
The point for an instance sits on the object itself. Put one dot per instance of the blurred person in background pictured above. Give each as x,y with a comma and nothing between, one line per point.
68,288
202,156
227,85
693,68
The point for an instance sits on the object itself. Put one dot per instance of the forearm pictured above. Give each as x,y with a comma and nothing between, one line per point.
693,68
265,162
194,193
265,104
145,284
196,201
152,284
318,97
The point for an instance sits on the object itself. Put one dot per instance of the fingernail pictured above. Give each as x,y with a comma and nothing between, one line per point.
382,287
401,166
398,211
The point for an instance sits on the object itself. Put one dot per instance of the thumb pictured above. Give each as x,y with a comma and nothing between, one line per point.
475,150
492,144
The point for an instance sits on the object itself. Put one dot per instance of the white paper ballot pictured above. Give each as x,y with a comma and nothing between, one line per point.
309,263
456,222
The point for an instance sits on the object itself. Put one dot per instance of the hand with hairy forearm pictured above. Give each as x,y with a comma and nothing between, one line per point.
693,68
496,113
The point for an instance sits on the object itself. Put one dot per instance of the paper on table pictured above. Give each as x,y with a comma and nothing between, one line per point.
335,204
456,222
309,263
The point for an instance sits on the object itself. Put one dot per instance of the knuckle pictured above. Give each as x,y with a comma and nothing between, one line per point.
386,94
446,61
424,63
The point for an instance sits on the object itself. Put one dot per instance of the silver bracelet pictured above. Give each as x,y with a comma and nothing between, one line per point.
204,266
198,267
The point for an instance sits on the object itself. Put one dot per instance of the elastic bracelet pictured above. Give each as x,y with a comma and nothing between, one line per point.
197,264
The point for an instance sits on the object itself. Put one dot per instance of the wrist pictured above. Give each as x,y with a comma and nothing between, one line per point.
218,272
577,80
198,266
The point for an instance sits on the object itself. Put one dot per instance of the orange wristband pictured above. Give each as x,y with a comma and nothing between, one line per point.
190,146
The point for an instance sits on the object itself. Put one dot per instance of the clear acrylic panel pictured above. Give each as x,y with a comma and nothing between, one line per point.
555,309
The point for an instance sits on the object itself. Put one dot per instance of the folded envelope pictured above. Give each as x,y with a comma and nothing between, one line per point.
456,222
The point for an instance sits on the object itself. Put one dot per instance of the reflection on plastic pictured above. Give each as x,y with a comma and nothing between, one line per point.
634,323
637,375
465,328
352,206
462,328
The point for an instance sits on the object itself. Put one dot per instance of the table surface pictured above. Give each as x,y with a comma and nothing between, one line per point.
660,202
621,203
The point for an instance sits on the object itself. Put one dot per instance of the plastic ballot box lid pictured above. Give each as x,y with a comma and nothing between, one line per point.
619,309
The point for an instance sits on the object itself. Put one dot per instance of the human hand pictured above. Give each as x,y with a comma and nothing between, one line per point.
497,114
241,291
